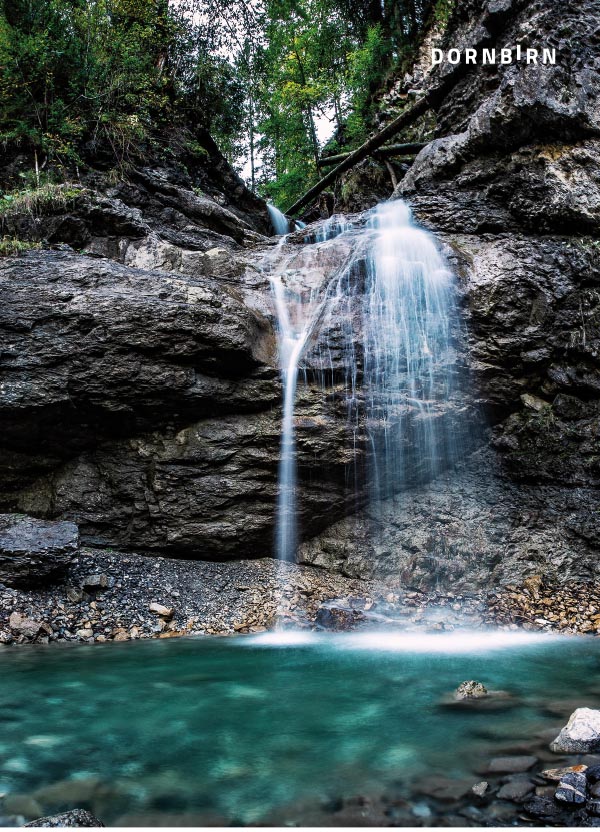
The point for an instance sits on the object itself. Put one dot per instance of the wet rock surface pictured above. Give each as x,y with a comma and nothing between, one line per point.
76,817
581,734
110,596
140,391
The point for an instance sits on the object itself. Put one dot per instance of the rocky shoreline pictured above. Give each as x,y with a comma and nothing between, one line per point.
110,596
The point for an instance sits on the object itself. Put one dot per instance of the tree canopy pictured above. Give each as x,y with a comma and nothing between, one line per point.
89,79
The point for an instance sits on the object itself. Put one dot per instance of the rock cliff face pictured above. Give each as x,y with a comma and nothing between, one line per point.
512,188
139,389
140,393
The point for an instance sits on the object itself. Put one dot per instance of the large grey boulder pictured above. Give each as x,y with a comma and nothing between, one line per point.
581,734
34,551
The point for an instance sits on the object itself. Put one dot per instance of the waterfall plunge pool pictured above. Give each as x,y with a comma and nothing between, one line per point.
281,728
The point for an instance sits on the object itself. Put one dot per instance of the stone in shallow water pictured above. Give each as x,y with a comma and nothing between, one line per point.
581,734
479,789
556,774
572,788
76,817
593,774
22,804
517,789
544,807
512,765
470,690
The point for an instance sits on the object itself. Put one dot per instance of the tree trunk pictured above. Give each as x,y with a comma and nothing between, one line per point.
373,143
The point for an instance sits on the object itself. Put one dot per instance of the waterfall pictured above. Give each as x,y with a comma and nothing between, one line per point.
291,342
279,221
381,285
410,377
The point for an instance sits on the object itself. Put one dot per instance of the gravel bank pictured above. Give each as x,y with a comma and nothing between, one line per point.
114,596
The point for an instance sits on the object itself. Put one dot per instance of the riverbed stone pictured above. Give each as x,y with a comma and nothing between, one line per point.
517,789
572,788
512,765
75,817
34,551
470,690
581,734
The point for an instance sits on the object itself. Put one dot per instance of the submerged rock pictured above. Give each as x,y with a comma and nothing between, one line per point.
512,765
76,817
33,551
517,789
470,690
581,734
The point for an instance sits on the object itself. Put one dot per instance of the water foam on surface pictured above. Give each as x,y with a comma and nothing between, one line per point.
463,642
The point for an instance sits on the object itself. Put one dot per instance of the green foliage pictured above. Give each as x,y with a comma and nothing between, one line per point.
112,81
89,77
367,65
442,10
11,246
46,199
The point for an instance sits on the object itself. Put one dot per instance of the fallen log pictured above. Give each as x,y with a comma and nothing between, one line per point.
409,149
374,143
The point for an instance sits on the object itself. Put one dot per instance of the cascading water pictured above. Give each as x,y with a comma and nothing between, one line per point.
387,293
409,376
292,338
279,221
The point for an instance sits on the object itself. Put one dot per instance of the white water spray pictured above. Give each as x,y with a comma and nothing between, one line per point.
279,221
399,362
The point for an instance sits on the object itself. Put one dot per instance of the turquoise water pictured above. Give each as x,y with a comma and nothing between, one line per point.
241,727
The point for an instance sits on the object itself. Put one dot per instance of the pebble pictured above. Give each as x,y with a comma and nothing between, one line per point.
593,807
479,789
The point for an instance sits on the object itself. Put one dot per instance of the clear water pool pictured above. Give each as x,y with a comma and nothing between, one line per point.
238,729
